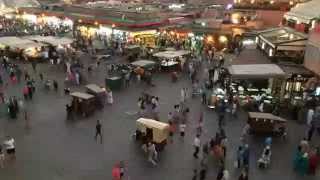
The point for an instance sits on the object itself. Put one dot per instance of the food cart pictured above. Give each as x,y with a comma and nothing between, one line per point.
83,103
266,123
149,130
98,93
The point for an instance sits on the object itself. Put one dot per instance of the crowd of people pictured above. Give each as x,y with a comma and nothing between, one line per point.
214,76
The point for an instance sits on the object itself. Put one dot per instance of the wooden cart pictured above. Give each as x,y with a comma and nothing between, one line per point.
98,93
83,103
266,123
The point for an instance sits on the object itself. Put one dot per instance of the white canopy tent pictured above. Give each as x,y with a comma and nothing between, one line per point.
304,12
15,42
54,41
171,54
255,71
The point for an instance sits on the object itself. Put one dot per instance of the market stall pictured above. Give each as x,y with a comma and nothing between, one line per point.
266,123
16,45
172,60
52,40
282,42
145,64
256,82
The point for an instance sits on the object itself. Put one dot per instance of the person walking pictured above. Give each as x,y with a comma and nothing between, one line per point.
197,145
55,85
98,131
182,128
10,147
195,174
2,158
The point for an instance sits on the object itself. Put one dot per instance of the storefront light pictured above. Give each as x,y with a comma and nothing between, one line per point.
203,24
252,1
223,39
96,23
80,20
271,2
291,3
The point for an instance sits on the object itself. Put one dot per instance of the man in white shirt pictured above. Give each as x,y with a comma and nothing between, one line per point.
196,144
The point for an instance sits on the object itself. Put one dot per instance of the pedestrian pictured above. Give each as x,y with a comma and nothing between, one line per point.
196,144
182,128
41,76
55,85
2,158
109,97
98,131
25,92
182,95
10,147
220,173
310,131
171,131
200,124
203,173
314,161
246,156
239,161
310,115
195,174
152,153
243,175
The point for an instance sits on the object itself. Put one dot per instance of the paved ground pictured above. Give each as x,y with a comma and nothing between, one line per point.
56,149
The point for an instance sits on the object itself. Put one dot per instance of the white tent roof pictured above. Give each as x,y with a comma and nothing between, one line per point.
19,3
15,42
55,41
171,54
304,12
255,71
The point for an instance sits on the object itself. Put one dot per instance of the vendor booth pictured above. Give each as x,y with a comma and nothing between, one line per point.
282,42
30,49
52,40
266,123
145,64
256,81
172,60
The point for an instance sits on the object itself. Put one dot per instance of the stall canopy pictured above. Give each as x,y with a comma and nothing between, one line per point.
15,42
284,38
54,41
171,54
304,12
255,71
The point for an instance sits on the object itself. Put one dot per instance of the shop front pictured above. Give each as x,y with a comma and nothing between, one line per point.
147,38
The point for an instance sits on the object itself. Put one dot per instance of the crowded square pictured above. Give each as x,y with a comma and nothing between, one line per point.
159,90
